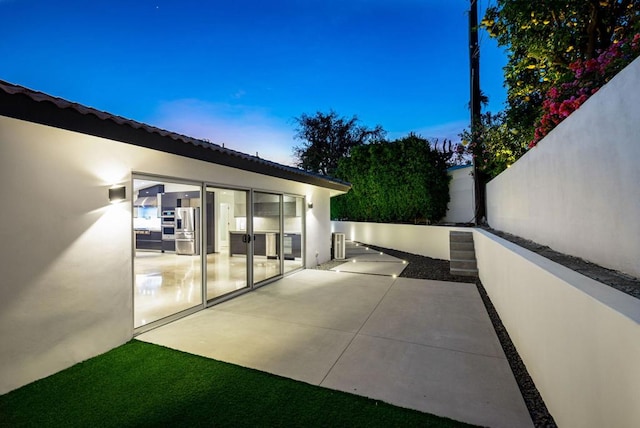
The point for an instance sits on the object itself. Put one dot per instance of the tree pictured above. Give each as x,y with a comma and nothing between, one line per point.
401,181
543,38
327,138
588,77
499,145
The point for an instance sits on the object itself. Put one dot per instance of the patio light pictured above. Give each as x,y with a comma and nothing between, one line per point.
117,194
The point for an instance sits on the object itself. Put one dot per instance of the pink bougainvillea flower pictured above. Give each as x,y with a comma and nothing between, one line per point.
589,76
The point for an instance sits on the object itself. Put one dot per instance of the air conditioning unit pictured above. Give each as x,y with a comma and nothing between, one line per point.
338,245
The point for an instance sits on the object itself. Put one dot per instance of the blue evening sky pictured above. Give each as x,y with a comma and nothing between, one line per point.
238,71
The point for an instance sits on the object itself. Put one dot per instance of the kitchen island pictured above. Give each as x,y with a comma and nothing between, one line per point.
266,243
148,239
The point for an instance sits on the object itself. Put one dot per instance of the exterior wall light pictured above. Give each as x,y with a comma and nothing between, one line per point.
310,205
117,194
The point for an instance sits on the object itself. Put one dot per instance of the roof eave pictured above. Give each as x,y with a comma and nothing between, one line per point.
73,117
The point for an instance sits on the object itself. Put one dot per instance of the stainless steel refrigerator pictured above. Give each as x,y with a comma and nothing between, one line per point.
187,231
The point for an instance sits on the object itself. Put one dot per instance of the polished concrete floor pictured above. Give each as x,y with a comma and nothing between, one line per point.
167,283
426,345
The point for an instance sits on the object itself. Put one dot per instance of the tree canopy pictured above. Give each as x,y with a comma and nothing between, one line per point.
327,138
544,38
400,181
560,52
501,146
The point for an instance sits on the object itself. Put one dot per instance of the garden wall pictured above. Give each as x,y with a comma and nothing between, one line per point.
578,190
461,207
579,339
430,241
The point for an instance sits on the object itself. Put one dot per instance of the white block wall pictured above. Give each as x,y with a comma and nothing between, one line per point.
461,207
430,241
578,191
578,338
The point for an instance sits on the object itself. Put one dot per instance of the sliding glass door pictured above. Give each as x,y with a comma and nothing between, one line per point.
196,244
167,263
266,236
227,241
292,243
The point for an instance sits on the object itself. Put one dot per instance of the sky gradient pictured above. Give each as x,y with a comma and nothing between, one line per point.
238,72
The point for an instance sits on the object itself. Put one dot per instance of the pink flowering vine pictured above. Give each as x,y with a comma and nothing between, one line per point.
588,77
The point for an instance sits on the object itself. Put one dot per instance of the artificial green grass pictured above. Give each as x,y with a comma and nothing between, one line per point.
140,384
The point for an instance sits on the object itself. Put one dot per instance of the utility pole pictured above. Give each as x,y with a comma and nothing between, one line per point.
474,65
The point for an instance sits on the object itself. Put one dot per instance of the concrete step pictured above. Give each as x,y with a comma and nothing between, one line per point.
467,254
461,246
462,254
463,264
460,236
465,272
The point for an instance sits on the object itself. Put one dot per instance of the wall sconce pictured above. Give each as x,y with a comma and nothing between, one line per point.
117,194
310,205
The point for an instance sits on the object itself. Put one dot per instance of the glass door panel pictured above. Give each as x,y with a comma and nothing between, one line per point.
167,262
292,243
227,241
267,221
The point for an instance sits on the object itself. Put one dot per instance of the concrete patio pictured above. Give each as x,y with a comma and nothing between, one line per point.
421,344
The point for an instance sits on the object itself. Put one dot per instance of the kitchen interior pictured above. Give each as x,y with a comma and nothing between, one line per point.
167,229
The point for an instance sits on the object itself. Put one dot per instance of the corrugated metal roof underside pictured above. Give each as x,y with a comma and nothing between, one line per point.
22,103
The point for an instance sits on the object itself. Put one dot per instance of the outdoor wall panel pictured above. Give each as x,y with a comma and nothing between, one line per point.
577,190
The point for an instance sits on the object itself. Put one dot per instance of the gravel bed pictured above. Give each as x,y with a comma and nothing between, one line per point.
618,280
421,267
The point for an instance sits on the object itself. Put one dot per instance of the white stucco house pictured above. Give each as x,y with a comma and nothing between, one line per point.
111,227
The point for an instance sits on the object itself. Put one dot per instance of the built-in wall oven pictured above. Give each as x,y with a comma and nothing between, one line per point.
168,233
168,224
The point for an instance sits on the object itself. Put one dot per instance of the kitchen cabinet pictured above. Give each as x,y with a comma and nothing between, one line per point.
272,209
292,246
266,209
148,240
259,243
169,245
290,209
236,245
170,199
151,191
240,210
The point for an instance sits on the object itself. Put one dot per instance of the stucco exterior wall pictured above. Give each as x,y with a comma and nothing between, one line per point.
66,259
430,241
578,190
579,339
318,227
461,207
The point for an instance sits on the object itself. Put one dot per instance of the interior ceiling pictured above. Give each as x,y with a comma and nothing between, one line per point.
168,186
